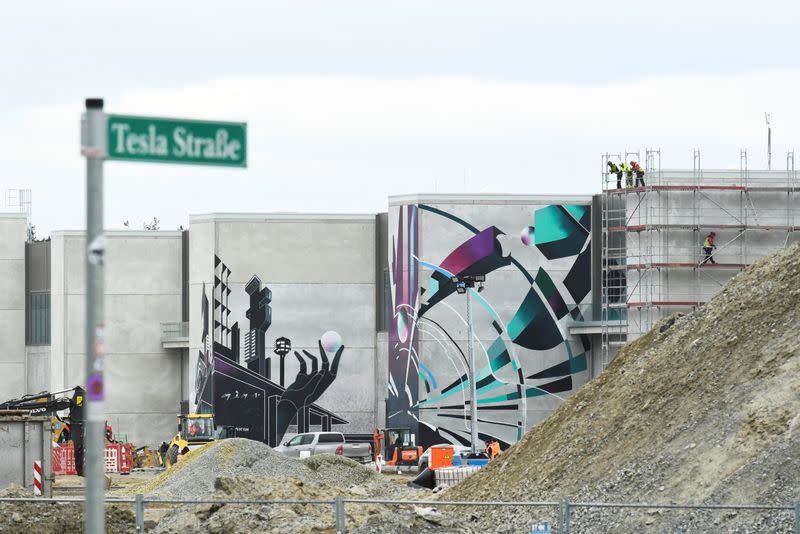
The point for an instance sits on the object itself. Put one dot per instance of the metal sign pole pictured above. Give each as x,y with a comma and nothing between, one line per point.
95,350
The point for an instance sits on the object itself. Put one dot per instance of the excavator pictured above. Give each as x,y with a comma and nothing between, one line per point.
401,452
68,427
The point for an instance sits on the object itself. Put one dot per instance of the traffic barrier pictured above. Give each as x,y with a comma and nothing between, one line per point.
117,458
37,477
64,460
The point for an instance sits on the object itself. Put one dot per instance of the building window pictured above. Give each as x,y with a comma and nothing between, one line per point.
39,309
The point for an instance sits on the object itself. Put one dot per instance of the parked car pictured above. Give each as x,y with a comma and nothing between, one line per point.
458,450
325,443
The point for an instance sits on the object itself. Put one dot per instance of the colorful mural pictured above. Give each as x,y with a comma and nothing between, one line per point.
522,357
234,374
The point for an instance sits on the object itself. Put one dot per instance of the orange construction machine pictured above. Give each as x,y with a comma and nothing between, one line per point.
401,451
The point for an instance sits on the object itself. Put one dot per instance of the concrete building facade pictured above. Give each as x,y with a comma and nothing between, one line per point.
280,323
535,255
315,278
142,291
13,361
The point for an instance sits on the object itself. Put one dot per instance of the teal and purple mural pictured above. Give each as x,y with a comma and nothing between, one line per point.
537,265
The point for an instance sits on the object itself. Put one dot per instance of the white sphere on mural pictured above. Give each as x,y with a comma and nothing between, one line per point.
526,236
331,341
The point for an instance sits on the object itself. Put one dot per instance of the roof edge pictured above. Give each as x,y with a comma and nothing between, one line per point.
486,198
282,216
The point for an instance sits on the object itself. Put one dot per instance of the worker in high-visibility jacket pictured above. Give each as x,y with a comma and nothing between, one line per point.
493,449
614,169
709,244
628,170
639,172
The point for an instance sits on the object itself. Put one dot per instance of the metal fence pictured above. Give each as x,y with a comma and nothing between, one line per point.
563,508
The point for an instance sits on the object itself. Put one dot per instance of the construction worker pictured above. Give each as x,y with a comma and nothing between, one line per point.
709,244
377,437
614,169
628,170
639,172
493,449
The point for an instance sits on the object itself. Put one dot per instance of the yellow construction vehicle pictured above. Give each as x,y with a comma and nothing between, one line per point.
146,457
194,430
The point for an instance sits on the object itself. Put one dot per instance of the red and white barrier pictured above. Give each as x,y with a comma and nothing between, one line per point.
37,478
64,460
117,458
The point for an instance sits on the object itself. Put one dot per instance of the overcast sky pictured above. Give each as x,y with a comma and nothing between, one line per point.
348,102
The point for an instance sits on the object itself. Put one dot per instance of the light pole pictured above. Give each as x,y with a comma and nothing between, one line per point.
463,284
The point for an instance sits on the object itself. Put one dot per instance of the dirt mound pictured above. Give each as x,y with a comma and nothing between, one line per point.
195,475
64,518
703,409
50,518
279,518
339,471
248,470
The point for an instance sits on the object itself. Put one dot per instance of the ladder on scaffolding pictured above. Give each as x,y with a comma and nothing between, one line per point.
613,293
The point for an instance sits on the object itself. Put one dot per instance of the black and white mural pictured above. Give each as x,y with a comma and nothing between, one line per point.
244,378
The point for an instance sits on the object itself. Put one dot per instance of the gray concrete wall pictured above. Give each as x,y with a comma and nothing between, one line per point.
321,271
443,337
38,368
142,290
13,374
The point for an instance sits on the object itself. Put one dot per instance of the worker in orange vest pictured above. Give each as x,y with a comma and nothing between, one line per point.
493,449
377,437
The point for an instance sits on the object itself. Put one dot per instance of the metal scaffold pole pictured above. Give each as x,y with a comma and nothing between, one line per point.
95,417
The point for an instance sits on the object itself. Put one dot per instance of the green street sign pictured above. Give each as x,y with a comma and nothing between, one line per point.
177,141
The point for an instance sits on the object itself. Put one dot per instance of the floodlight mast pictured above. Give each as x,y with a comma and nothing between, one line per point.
463,284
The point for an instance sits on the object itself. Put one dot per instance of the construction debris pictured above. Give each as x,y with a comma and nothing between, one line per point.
249,470
702,409
48,518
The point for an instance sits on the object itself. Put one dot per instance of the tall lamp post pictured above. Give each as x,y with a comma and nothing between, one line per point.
463,284
282,347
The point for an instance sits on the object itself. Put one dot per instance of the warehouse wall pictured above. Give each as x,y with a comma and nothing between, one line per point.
142,290
13,234
321,272
536,255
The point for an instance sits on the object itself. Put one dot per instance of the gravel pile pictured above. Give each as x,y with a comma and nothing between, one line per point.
194,476
703,409
248,470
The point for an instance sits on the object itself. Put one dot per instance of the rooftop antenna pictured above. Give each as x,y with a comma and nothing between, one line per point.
769,142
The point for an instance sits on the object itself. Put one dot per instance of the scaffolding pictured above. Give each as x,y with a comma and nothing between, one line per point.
652,257
18,200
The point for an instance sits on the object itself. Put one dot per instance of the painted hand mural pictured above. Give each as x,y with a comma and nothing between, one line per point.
240,392
525,355
307,387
